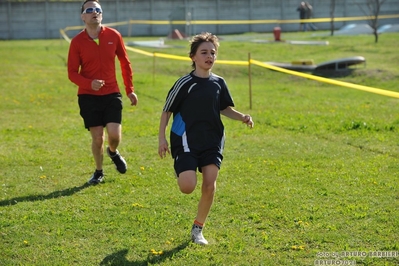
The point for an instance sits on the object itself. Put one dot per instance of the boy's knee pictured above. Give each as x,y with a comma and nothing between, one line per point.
186,189
187,182
209,189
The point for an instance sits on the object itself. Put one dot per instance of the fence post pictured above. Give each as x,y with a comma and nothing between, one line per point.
250,81
153,68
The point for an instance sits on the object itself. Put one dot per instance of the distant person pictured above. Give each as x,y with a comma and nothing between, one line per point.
302,15
91,66
196,101
309,15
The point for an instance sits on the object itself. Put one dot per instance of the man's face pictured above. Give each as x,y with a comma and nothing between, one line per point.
92,13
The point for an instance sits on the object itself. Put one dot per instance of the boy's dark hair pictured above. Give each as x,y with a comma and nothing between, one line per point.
82,8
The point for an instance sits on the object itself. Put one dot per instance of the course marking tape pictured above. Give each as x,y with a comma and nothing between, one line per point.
255,62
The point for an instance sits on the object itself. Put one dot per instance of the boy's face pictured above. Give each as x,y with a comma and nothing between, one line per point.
205,56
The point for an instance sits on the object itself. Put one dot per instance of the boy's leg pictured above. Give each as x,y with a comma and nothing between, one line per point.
185,166
187,181
209,174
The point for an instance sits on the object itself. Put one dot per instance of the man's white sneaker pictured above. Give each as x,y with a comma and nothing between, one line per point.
196,235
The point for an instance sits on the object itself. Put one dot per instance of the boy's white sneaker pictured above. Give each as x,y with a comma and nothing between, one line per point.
196,235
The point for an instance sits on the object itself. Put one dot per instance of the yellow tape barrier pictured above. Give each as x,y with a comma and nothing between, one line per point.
330,81
255,62
272,21
295,73
225,22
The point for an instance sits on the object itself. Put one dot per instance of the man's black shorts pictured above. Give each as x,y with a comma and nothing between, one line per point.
100,110
192,161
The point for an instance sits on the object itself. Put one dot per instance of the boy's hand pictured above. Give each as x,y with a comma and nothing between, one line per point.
248,120
163,148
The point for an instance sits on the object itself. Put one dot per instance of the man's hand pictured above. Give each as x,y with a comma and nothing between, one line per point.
133,98
97,84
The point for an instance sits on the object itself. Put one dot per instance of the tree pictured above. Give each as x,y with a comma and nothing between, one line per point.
372,12
332,10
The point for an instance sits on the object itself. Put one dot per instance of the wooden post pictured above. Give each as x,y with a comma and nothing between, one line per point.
250,81
129,30
153,68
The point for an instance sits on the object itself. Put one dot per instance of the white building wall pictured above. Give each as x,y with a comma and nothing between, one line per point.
42,19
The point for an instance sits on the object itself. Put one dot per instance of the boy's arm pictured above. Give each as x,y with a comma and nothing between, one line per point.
236,115
163,147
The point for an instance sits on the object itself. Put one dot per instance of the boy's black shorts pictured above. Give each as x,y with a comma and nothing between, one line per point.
100,110
192,161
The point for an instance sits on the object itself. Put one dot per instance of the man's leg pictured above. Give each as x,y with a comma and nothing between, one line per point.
97,148
97,145
114,131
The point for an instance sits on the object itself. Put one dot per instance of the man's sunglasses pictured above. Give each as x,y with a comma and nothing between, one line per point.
91,10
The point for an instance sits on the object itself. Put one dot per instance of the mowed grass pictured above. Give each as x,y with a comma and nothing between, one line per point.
317,174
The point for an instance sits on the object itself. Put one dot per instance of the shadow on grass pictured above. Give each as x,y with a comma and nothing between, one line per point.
53,195
328,73
119,258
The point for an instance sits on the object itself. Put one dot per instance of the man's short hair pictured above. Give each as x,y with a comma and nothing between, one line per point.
82,8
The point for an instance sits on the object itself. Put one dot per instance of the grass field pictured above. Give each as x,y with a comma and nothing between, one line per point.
316,179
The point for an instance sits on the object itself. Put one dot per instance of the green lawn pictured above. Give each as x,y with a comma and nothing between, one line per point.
315,178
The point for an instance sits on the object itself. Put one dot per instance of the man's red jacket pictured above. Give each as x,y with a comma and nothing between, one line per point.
88,60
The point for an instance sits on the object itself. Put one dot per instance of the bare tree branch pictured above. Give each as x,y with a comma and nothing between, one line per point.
372,12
